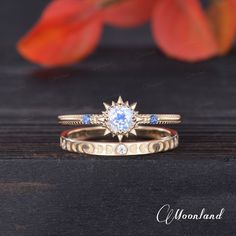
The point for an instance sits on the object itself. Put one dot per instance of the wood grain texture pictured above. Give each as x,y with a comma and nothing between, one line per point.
47,191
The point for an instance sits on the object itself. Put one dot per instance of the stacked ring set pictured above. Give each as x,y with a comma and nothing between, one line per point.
119,131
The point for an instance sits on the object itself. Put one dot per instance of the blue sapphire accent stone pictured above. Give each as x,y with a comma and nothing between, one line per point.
86,119
120,119
153,119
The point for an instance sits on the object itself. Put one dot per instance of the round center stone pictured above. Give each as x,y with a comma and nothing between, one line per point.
120,119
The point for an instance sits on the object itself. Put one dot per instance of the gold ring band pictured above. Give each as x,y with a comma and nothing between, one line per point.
120,119
90,140
97,119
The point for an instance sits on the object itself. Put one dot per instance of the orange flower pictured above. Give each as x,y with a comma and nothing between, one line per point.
222,17
69,30
184,31
129,13
181,30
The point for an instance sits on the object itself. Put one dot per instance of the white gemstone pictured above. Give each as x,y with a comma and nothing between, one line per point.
121,149
120,119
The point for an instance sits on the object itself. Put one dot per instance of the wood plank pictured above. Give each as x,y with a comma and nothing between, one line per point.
107,197
42,141
47,191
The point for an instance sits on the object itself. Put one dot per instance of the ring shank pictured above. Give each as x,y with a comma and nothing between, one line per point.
97,119
89,140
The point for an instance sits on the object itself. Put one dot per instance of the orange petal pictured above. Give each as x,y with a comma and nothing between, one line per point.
233,4
222,18
182,30
129,13
67,32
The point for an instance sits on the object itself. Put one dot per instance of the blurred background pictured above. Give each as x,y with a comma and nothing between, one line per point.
46,191
125,63
21,16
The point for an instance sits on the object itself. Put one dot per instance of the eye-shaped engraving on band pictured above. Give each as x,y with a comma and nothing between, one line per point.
88,148
109,149
133,148
63,143
176,141
153,147
80,148
172,144
98,149
161,148
143,148
68,146
74,147
166,145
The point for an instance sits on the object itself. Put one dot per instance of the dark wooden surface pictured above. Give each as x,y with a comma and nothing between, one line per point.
46,191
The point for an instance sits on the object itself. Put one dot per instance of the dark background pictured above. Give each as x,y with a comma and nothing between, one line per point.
46,191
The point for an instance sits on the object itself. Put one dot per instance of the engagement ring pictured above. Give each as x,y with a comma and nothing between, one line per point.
119,119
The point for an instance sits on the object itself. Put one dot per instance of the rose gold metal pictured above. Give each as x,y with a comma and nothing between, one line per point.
90,140
138,119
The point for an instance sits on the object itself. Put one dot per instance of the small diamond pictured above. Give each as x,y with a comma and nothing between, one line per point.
121,149
86,119
153,119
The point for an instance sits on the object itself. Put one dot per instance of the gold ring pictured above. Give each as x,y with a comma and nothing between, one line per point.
90,140
120,119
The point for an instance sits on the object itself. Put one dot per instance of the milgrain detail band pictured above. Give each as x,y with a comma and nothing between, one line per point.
98,119
151,140
119,119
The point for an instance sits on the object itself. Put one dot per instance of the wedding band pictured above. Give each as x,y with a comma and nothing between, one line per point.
90,140
120,119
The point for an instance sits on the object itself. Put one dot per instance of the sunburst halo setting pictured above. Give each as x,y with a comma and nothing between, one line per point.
120,118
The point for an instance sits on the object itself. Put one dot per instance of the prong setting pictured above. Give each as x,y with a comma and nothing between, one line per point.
120,118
